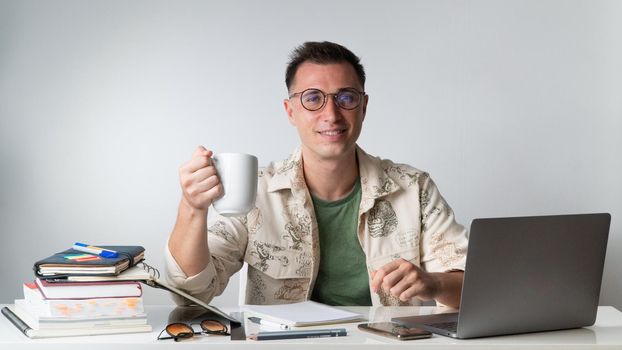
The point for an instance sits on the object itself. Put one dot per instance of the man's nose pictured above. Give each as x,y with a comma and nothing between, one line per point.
331,110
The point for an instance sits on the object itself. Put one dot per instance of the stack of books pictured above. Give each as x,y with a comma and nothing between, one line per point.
56,304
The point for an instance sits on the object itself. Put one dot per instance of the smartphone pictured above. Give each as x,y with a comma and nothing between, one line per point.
394,330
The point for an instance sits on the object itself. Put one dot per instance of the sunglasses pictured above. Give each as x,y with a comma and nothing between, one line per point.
179,331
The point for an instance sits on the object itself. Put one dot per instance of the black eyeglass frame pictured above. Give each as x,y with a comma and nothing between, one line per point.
325,96
187,335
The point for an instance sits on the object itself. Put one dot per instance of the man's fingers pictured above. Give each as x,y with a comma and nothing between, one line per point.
203,174
200,159
410,292
407,287
204,185
193,171
398,274
400,278
201,151
204,193
215,192
379,275
199,181
376,280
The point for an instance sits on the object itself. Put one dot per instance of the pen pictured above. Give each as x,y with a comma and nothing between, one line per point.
312,333
104,253
263,322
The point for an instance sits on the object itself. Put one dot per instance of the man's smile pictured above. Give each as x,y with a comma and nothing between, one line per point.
332,132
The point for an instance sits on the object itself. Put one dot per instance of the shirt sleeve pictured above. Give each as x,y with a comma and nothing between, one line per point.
444,241
227,239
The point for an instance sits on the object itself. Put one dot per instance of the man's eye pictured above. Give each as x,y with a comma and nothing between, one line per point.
346,98
312,98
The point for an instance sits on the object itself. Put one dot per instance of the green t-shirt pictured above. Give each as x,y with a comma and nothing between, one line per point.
342,278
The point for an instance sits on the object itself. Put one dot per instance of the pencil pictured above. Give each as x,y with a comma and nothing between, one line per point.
311,333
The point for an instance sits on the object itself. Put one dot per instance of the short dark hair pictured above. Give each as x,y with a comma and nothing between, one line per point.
322,53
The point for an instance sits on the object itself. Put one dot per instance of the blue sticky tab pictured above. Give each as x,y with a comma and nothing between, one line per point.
108,254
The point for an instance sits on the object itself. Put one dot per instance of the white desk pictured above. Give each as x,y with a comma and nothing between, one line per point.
605,334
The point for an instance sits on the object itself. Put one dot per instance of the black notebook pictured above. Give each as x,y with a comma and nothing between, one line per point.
72,262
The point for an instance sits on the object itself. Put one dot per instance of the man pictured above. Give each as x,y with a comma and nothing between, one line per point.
331,223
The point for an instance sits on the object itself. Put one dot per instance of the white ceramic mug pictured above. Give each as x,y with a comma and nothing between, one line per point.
238,176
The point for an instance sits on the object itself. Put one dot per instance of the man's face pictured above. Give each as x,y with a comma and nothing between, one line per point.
329,133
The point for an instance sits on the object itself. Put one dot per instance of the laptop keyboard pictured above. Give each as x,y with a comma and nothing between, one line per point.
449,326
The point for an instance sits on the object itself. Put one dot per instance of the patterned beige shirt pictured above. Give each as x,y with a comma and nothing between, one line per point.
401,215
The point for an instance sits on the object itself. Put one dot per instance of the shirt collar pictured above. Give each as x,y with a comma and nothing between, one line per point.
376,183
288,174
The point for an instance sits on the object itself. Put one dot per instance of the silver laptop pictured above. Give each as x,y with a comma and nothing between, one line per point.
527,274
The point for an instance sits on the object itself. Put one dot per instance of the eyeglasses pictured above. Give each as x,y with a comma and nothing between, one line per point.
315,99
179,331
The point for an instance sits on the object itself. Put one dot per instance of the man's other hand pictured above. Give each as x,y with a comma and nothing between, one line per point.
404,280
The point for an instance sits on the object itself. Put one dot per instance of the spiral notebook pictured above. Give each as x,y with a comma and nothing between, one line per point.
150,276
305,313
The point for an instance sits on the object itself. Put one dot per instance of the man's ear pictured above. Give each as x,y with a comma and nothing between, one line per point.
365,100
289,111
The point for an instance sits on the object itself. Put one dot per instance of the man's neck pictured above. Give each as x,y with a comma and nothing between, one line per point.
331,179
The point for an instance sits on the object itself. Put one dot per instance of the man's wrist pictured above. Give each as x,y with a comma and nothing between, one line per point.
191,211
438,284
449,288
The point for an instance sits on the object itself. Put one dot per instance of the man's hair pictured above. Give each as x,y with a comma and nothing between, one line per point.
322,53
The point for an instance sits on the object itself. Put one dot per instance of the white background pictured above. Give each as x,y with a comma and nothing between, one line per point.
514,107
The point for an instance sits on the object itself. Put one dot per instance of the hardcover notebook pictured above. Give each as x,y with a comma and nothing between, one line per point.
88,290
73,262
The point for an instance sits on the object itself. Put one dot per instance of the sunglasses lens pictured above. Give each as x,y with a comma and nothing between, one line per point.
179,330
213,326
